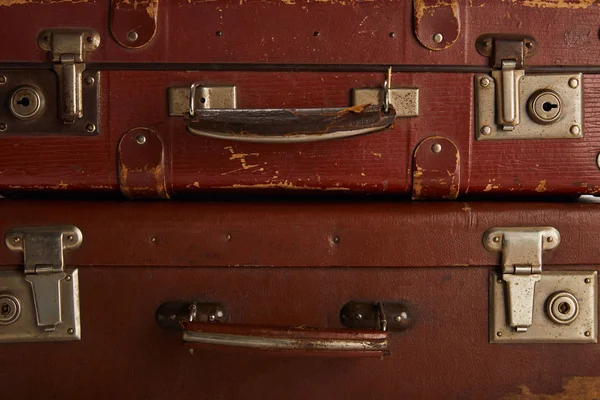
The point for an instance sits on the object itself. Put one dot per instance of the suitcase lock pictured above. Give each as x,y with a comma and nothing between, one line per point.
42,304
527,305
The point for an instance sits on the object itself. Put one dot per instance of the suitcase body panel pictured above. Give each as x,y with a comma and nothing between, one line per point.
381,162
290,272
280,32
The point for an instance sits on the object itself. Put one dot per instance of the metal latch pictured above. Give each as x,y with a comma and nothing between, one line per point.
528,305
512,105
68,47
54,289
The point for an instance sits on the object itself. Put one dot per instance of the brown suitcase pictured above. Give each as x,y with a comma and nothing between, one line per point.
126,133
433,275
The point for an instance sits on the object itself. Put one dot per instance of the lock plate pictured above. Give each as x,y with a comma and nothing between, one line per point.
45,121
23,327
583,329
531,85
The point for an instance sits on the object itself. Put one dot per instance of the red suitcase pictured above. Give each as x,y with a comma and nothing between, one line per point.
491,98
137,278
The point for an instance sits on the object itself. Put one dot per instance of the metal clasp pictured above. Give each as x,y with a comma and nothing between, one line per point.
521,250
43,250
68,48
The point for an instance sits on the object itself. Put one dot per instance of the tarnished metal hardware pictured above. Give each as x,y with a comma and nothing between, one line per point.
68,47
564,310
55,290
20,324
394,317
170,315
544,106
27,96
548,107
205,97
562,307
211,112
512,105
521,250
27,102
404,100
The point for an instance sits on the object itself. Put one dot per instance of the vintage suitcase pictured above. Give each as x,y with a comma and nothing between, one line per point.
191,300
490,98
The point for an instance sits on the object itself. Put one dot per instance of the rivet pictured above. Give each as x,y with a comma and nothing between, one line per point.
2,126
191,351
498,333
90,39
219,33
485,82
70,331
316,33
228,237
70,238
398,318
575,130
90,127
211,317
550,239
392,34
588,333
436,147
2,79
496,239
172,317
68,278
336,239
499,280
486,130
574,83
153,239
89,80
17,239
587,280
358,316
140,139
438,37
132,36
529,44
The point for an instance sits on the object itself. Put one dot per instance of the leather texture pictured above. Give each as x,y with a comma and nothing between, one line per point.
292,264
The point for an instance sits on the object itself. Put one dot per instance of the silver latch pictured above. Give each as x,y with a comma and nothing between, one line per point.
507,98
68,48
43,252
521,266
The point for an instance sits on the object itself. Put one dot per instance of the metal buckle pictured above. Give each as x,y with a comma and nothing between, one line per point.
43,250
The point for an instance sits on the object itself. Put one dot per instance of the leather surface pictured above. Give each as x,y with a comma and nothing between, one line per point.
377,163
124,354
305,235
349,32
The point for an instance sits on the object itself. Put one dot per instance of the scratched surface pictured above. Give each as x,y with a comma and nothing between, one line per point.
285,31
377,163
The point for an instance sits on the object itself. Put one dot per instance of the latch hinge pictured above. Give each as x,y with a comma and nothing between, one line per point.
43,250
508,54
521,250
68,48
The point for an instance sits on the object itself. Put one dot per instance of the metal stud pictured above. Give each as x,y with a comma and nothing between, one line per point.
2,79
89,80
485,82
70,331
438,37
132,36
575,130
588,333
436,147
486,130
496,239
574,83
140,139
90,127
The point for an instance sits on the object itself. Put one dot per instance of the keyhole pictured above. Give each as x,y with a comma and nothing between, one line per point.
24,101
5,309
547,106
564,308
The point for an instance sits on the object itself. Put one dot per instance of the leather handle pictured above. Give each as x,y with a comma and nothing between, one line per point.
297,341
289,125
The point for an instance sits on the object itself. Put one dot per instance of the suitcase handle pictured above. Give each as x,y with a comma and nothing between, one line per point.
292,125
297,341
204,325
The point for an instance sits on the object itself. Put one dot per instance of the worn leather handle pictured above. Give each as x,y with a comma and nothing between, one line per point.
297,341
289,125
